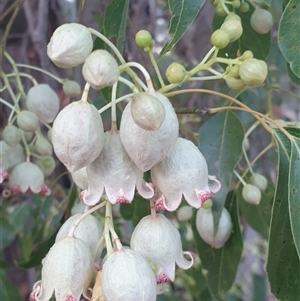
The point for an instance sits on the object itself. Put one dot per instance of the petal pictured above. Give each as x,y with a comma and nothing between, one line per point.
166,273
184,263
146,190
192,199
203,195
171,205
92,195
214,188
41,291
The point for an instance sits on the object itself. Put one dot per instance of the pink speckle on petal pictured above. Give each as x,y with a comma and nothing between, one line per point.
44,189
70,298
32,296
162,278
121,199
81,194
160,205
3,176
203,195
15,188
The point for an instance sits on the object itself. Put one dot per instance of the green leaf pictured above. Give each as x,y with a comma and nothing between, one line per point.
259,44
294,192
221,264
220,141
288,35
8,290
283,265
183,14
295,79
116,13
258,216
259,288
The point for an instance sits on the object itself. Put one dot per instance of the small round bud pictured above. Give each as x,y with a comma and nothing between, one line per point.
234,29
70,45
246,55
232,16
175,73
244,7
234,83
46,164
207,204
143,39
236,3
43,146
71,88
28,136
220,10
261,21
185,213
100,69
11,135
253,72
147,111
234,71
28,121
251,194
220,38
259,181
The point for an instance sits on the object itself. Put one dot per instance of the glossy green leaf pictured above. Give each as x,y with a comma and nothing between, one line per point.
220,141
8,291
295,79
183,14
288,35
116,13
259,44
221,264
283,265
258,216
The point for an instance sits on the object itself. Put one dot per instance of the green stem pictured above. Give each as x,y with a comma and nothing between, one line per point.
157,71
240,178
24,75
104,108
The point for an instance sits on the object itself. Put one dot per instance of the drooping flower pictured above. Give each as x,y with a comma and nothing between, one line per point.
205,227
67,272
114,171
146,148
156,239
89,230
183,171
77,135
28,177
80,178
126,275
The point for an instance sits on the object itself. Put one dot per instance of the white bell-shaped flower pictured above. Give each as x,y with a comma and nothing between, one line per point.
67,272
114,171
156,239
80,178
205,227
28,177
183,171
89,230
70,45
146,148
126,275
77,135
43,101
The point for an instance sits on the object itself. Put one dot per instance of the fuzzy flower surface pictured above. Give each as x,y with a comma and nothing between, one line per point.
67,272
183,172
28,177
115,172
156,239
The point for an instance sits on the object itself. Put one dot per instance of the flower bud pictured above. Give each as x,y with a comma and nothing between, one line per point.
143,39
251,194
100,69
70,45
261,21
11,156
185,213
43,146
46,164
175,73
253,72
157,240
146,148
80,178
259,181
220,38
71,88
246,55
126,275
28,121
27,176
205,227
67,272
232,16
11,135
244,7
77,135
234,83
233,28
43,101
28,136
147,111
207,204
